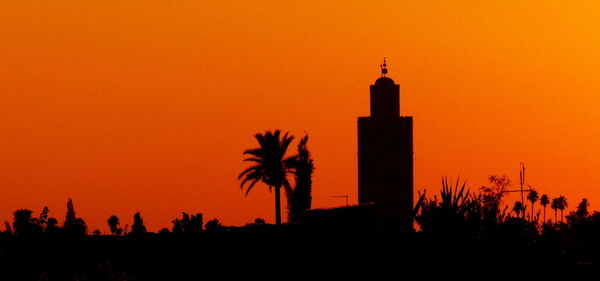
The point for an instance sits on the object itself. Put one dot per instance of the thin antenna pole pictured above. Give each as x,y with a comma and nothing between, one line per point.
522,181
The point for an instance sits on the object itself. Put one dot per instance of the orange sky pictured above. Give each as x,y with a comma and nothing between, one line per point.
147,106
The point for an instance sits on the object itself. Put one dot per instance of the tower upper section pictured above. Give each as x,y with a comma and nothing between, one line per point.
385,98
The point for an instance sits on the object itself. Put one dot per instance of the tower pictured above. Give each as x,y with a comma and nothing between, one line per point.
385,157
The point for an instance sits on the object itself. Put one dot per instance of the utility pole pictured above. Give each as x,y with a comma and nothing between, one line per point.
522,181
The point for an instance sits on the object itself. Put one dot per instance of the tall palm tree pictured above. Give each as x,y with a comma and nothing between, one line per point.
533,197
270,165
544,200
562,206
555,206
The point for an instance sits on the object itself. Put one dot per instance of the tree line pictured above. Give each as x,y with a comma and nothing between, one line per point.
479,214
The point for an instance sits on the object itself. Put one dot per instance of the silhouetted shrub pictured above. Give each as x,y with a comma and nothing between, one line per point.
138,227
24,225
113,224
214,225
164,231
188,224
73,225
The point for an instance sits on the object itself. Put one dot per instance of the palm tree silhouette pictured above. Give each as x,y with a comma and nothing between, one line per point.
555,206
270,165
518,208
533,197
562,206
544,200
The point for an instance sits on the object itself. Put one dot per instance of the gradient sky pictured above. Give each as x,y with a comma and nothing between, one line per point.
129,106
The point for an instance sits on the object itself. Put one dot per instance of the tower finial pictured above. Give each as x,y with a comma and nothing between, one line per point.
384,69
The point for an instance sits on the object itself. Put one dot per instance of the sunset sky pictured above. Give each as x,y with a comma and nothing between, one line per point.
146,106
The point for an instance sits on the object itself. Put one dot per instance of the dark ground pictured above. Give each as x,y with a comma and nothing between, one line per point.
273,253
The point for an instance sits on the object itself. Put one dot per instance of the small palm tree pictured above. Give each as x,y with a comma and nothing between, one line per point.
518,208
270,165
544,201
533,197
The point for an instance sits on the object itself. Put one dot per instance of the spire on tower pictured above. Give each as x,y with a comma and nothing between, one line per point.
384,69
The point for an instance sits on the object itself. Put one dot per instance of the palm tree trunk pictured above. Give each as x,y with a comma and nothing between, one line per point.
555,216
277,205
562,217
544,214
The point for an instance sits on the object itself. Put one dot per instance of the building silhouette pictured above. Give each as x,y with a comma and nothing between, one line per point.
385,157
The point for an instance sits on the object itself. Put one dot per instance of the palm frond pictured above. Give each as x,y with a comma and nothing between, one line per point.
254,159
291,161
251,185
256,174
247,170
257,152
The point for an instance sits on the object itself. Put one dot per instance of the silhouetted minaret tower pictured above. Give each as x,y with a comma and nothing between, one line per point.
385,156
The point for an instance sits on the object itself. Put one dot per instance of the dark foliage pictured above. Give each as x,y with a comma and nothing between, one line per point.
138,227
24,225
300,198
113,224
188,224
214,225
73,225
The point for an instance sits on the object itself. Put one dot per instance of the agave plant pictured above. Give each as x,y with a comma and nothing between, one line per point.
455,200
455,208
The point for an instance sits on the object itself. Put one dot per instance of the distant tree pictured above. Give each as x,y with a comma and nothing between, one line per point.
270,165
544,201
177,226
113,224
73,225
518,208
562,206
498,185
81,226
8,229
581,215
555,206
300,198
259,221
256,222
193,223
533,197
492,195
23,225
582,209
52,226
213,225
164,231
96,232
138,227
70,218
188,224
44,216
